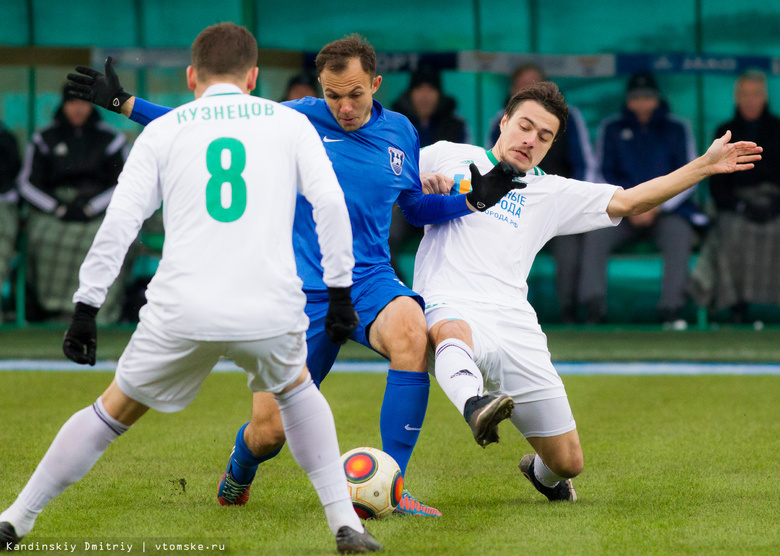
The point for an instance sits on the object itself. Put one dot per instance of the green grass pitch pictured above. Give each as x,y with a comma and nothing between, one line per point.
727,344
673,465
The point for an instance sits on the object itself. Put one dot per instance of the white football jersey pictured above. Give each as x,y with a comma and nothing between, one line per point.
227,168
487,256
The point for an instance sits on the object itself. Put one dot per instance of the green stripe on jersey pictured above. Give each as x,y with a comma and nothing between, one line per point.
491,157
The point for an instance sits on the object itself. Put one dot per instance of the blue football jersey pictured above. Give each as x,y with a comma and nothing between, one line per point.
377,166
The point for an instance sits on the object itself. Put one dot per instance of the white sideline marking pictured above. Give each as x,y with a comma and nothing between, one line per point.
674,369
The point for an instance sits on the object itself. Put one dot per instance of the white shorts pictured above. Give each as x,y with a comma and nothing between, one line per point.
511,351
166,373
509,348
543,418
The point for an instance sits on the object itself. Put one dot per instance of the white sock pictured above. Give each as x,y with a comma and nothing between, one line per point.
79,444
456,372
543,473
311,435
342,513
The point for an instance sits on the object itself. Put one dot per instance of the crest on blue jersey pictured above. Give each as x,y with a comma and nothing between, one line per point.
396,160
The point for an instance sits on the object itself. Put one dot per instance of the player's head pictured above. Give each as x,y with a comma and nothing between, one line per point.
750,94
224,52
533,119
347,73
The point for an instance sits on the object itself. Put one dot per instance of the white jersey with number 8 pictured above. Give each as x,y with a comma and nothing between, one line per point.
226,168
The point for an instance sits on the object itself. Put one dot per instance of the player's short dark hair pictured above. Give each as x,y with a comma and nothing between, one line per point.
547,94
224,49
335,56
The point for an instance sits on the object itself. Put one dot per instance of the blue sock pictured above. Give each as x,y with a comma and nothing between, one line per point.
243,463
403,412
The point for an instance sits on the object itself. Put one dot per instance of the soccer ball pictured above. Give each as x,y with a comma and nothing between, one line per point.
375,482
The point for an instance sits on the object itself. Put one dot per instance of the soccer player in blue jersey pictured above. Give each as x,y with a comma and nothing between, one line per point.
375,154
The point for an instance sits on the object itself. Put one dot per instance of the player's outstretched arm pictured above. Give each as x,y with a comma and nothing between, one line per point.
722,157
487,190
101,89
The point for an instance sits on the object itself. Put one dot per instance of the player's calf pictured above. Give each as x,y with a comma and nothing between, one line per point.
242,465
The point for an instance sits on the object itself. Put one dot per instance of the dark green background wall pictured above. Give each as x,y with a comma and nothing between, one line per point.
540,26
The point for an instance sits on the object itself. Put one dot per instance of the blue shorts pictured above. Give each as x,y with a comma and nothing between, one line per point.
369,295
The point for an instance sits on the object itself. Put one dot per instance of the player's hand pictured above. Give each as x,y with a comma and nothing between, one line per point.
80,344
724,157
487,190
436,183
104,90
342,319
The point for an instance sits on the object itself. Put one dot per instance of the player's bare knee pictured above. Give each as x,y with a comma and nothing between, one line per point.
574,468
569,466
440,332
444,330
417,335
409,335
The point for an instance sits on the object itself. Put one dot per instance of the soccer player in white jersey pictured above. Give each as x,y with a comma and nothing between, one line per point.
491,356
226,285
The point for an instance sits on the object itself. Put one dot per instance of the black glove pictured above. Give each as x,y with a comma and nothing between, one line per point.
342,319
487,190
94,87
80,344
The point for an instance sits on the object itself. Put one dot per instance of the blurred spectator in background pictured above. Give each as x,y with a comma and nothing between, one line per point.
9,216
740,261
642,142
570,156
301,85
432,113
69,174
